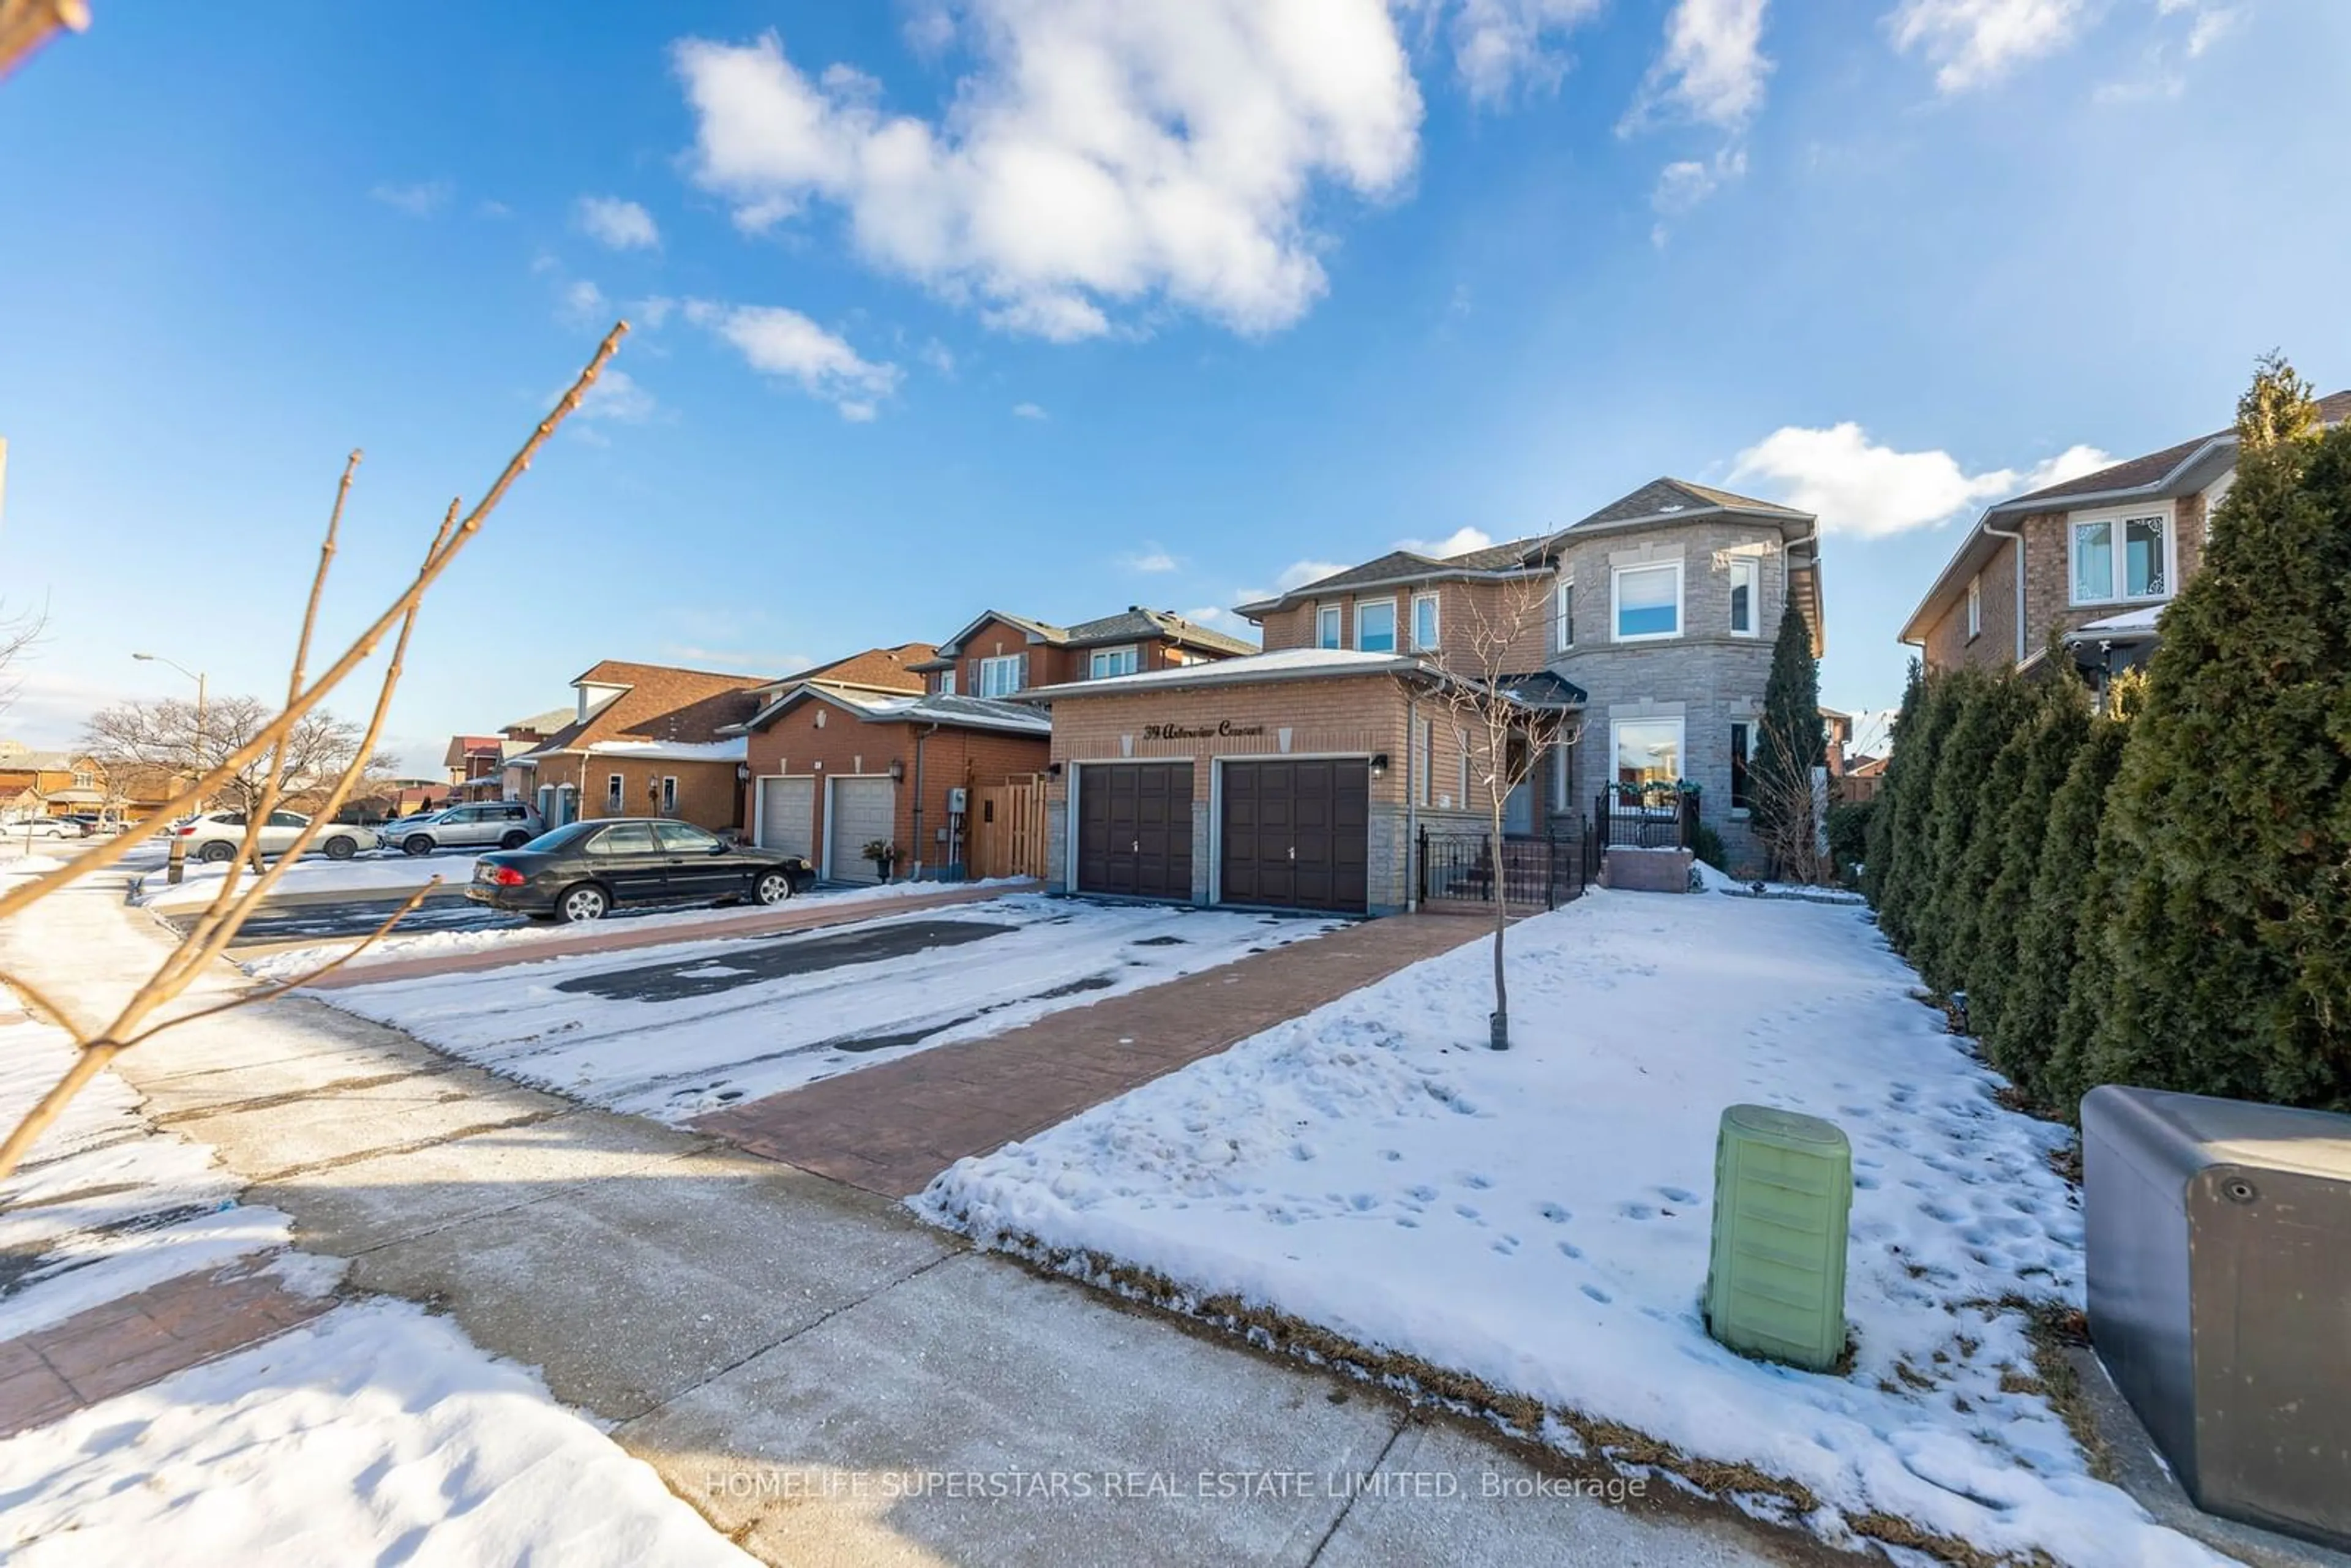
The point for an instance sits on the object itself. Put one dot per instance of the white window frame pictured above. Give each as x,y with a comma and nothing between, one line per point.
1751,569
1565,609
990,665
946,683
616,791
2116,517
1396,632
1435,638
1336,636
668,793
1616,632
1975,607
1094,671
1681,747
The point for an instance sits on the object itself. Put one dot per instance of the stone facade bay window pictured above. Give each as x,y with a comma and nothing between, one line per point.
1648,601
1648,750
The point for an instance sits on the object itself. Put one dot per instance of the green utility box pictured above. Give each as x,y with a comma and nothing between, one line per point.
1775,1279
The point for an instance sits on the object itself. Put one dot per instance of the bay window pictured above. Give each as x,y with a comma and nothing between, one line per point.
1566,613
1648,601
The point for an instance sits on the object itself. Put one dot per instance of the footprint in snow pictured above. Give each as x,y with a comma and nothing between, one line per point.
1507,1245
1596,1293
1465,1211
1391,1155
1554,1213
1570,1249
1408,1222
1363,1202
1636,1211
1480,1182
1421,1193
1677,1195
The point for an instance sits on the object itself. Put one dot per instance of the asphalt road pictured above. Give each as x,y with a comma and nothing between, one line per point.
666,980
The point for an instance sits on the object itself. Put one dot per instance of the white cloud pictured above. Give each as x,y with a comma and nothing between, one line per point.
1682,185
583,305
617,396
1299,573
1858,487
1153,559
1457,542
423,199
1218,617
1097,155
652,310
1028,411
780,343
1711,70
1501,45
1972,43
2162,73
617,224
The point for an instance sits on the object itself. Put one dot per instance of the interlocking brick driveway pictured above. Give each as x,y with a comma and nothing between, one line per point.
894,1126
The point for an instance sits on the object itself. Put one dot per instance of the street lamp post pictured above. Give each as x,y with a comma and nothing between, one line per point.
197,753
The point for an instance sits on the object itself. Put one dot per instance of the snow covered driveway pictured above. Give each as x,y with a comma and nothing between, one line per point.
676,1030
1539,1219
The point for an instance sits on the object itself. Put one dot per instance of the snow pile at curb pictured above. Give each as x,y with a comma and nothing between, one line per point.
366,876
1538,1220
375,1434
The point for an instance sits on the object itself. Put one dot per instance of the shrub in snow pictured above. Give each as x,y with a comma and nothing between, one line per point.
1882,853
2227,843
2046,1010
2011,831
1989,708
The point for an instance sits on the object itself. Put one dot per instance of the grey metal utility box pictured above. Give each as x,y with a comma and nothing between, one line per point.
2219,1276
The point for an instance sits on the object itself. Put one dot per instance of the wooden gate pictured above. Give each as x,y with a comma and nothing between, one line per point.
1007,829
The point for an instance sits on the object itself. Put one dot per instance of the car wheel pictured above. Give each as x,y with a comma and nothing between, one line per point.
217,851
416,845
340,848
514,840
773,887
583,904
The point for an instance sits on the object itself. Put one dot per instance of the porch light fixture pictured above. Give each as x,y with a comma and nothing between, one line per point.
1379,763
898,767
1053,768
742,773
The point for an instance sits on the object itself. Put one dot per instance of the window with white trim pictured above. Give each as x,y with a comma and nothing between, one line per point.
1328,633
1566,613
1745,578
1975,607
668,793
1104,663
1423,623
2121,556
1375,626
613,784
1648,601
1000,676
84,779
1648,750
946,683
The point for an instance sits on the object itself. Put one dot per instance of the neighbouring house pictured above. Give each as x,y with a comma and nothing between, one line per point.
474,759
1301,777
2084,567
645,740
37,783
1862,779
835,768
1000,654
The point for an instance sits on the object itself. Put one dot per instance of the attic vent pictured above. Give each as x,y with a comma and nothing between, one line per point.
1671,506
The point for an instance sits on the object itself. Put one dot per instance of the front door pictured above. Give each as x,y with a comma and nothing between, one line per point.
1135,828
1296,835
631,862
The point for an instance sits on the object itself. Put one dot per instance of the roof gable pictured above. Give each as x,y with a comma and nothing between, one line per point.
1669,498
660,703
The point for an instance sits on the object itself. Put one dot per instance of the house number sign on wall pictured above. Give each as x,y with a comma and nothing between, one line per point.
1223,727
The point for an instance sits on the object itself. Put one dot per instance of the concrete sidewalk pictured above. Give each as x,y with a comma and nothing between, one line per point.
826,1378
805,913
890,1128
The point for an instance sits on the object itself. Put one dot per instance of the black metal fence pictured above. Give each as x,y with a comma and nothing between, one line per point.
1457,870
1668,823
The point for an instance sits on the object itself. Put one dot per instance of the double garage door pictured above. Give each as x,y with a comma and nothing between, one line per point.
1293,835
863,810
1296,835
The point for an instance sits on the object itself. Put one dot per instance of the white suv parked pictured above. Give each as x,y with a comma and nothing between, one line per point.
490,825
218,835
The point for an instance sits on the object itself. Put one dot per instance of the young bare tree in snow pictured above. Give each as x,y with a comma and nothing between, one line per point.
1487,647
270,748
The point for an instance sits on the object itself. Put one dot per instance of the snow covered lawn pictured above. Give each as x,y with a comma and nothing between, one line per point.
676,1030
1538,1220
381,874
374,1434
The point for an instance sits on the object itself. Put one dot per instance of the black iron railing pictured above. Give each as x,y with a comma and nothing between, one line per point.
1459,870
1649,822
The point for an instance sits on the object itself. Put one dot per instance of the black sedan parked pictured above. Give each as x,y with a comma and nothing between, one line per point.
582,869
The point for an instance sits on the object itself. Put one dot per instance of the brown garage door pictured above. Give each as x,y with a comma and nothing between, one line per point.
1135,828
1298,834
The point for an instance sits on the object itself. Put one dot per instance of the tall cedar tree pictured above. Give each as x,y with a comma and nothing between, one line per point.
1791,742
2060,724
2055,945
1886,848
2228,834
1965,902
1910,795
1989,707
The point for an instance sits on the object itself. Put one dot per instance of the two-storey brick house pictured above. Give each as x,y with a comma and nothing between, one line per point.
1302,776
1000,654
2084,567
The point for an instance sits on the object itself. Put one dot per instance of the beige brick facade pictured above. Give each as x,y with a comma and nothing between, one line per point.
1523,608
1046,665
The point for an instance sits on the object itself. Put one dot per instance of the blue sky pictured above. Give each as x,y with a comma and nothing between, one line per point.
1060,305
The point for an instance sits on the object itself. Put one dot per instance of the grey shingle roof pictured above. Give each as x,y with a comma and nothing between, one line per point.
2155,466
1139,623
1664,496
1399,564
